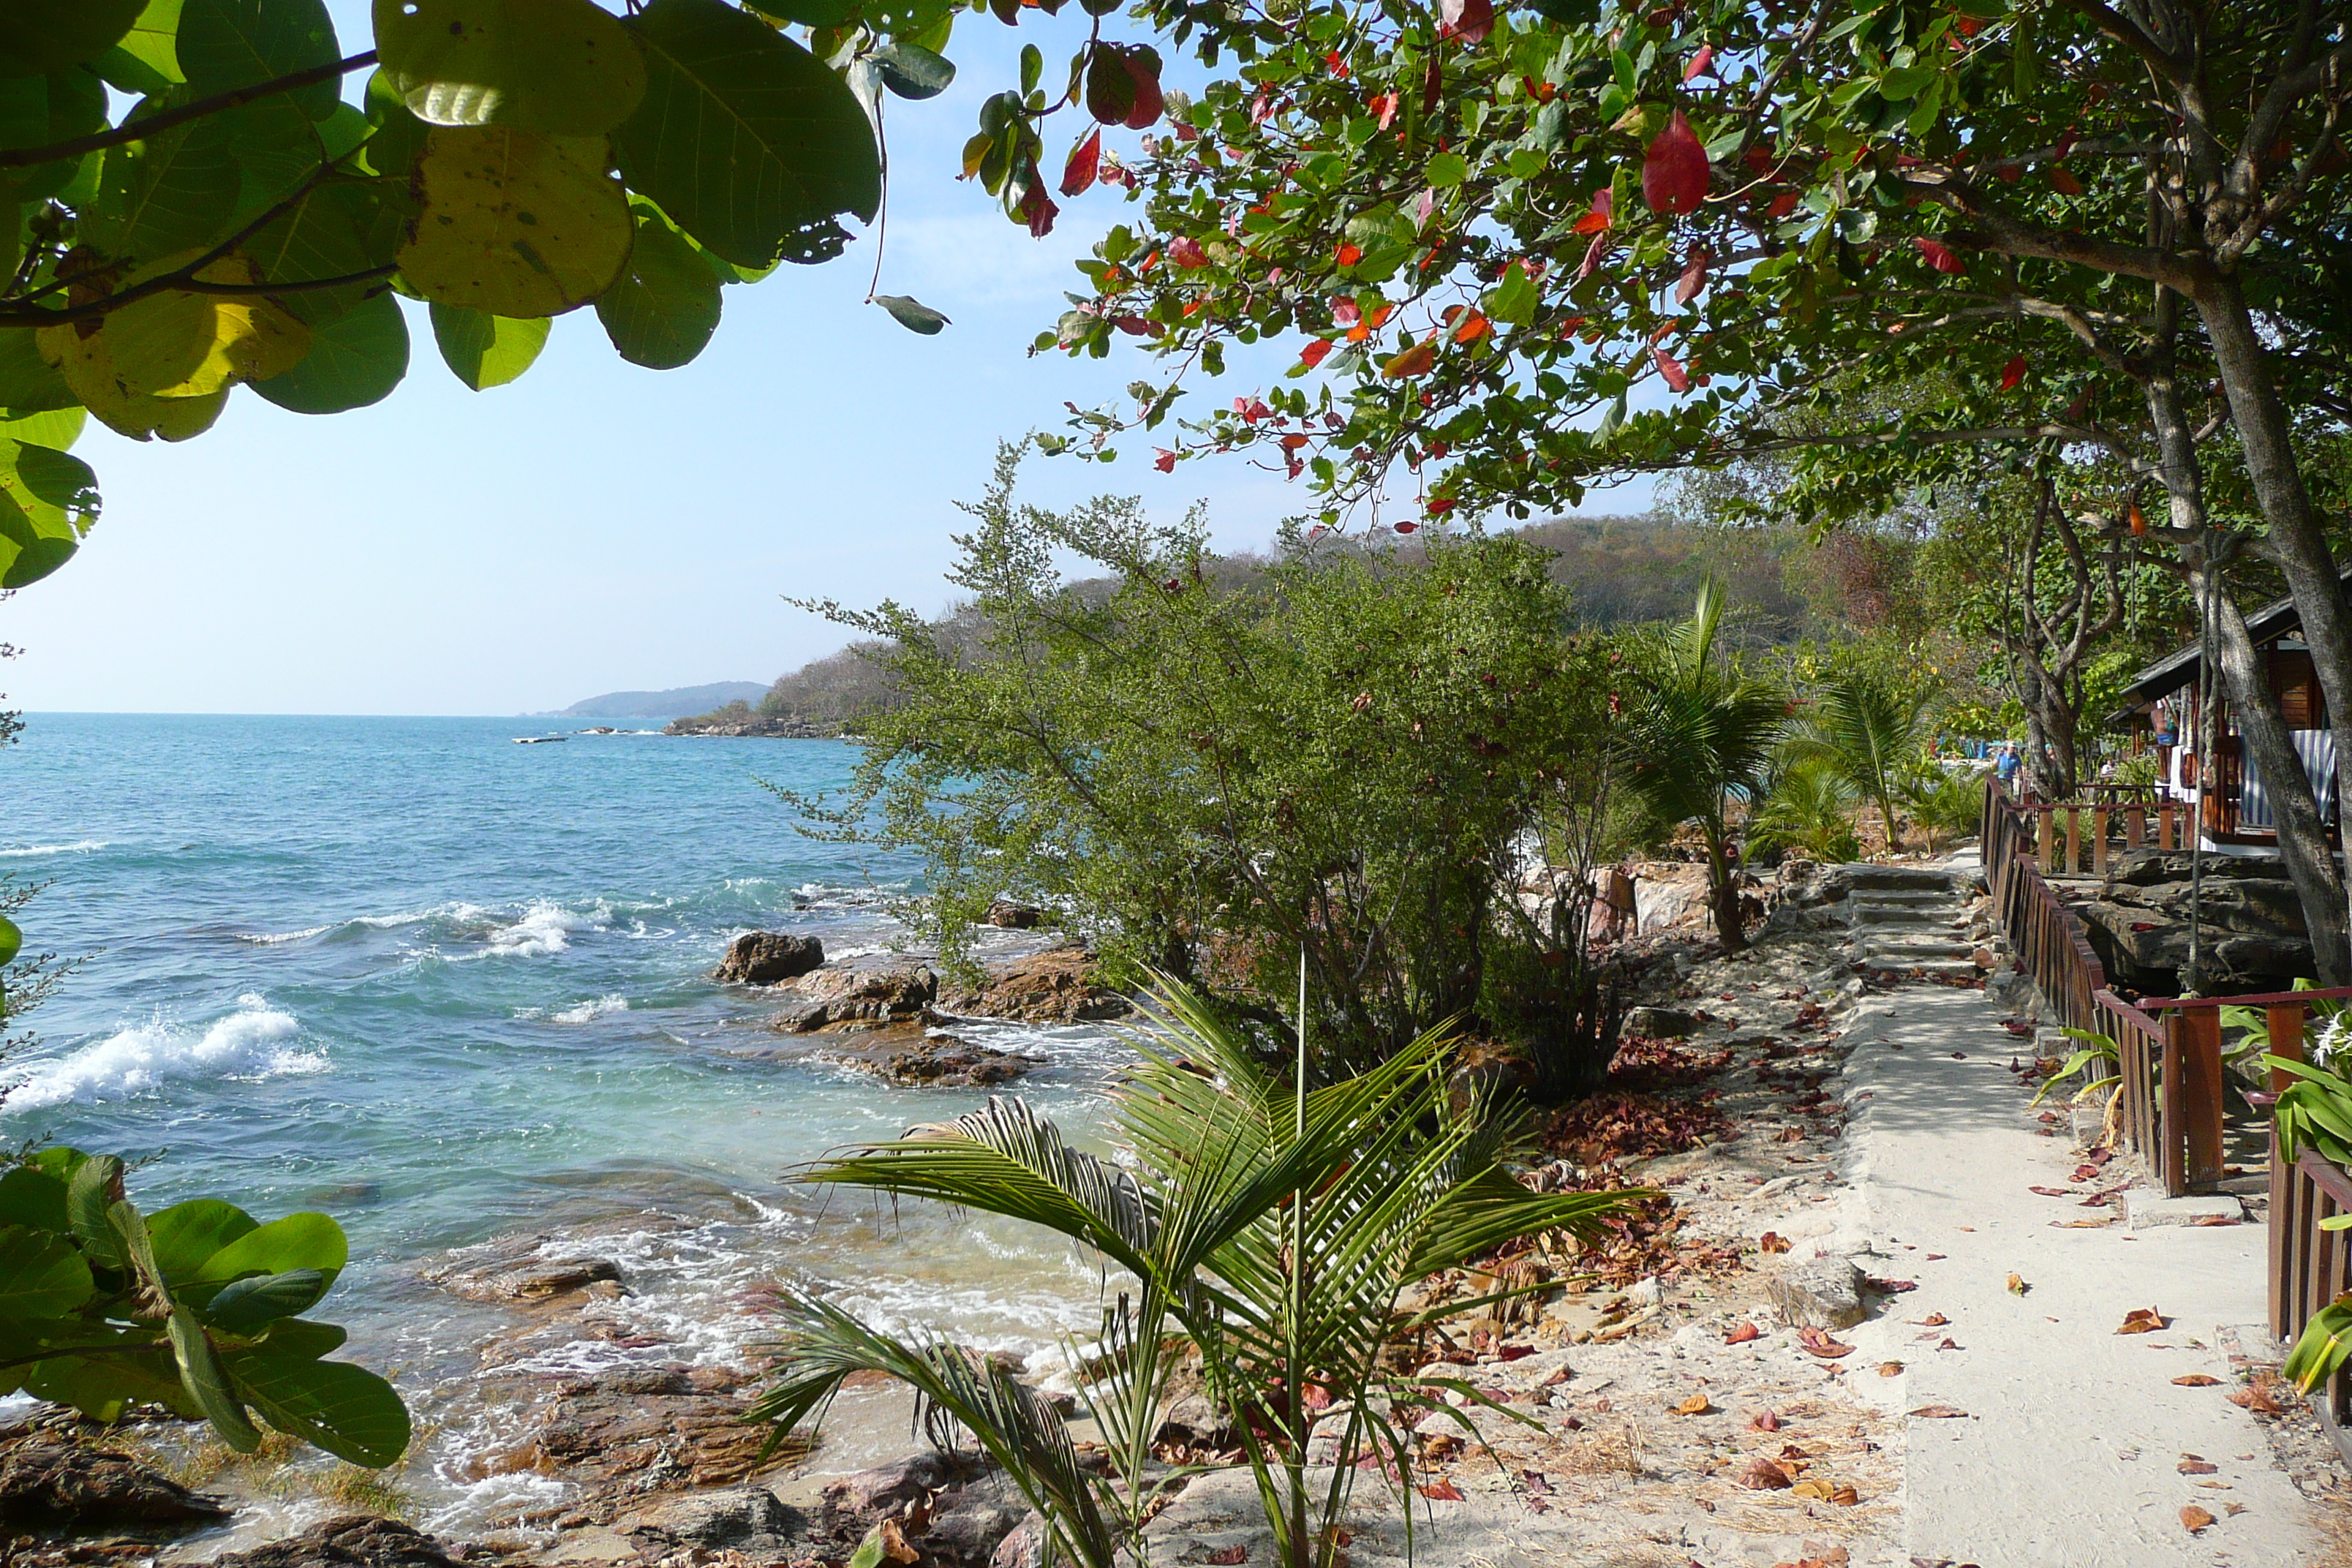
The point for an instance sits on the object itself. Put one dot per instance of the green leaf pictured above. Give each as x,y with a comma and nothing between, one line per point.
912,314
807,12
347,1410
869,1550
487,350
11,939
103,1387
355,360
39,35
30,1196
1905,82
227,44
29,551
563,66
334,230
163,193
1514,300
296,1241
36,110
245,1305
1448,169
185,1235
515,223
665,306
743,136
399,135
29,384
154,42
42,1274
915,72
200,1369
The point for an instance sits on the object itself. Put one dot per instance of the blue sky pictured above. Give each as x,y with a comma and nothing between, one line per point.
596,526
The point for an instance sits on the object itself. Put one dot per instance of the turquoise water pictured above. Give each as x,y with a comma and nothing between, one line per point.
450,989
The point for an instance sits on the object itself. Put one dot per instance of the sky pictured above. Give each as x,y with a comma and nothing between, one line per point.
594,526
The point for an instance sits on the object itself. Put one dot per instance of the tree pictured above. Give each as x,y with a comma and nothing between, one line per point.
1340,753
1871,732
1700,738
1534,249
241,224
1270,1219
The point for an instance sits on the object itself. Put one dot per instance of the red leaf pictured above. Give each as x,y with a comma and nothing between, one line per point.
1187,252
1143,64
1312,354
1693,278
1110,86
1743,1335
1038,210
1347,256
1674,172
1226,1556
2012,373
1677,378
1782,204
1085,158
1337,61
1418,360
1765,1421
1440,505
1406,527
1469,20
1471,328
1166,461
1939,255
1699,61
1346,312
1598,220
1592,255
1441,1491
2065,181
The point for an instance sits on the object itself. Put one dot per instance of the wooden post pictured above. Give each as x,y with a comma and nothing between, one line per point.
2099,840
2135,826
2166,826
2198,1133
2286,1019
2045,838
2279,1220
2170,1155
2073,839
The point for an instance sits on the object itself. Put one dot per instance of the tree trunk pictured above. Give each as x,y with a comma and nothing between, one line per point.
1723,893
2049,722
2297,546
2303,838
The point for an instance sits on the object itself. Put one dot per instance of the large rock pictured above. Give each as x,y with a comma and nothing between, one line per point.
1660,1024
353,1541
1825,1293
858,1499
826,998
734,1516
968,1526
768,958
2253,920
637,1430
47,1481
1025,1548
912,1055
1061,986
1195,1422
520,1268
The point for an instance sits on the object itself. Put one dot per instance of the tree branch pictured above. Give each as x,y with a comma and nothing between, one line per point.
138,130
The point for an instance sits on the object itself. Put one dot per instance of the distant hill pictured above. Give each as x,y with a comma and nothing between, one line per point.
673,704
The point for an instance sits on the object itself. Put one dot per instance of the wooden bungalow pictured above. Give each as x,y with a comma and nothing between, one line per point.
2164,704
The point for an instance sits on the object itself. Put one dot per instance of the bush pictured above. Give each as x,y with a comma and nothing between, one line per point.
1347,753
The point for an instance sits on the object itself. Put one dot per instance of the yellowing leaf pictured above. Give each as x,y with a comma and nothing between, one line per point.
2017,1284
1696,1405
514,223
2195,1520
563,66
177,345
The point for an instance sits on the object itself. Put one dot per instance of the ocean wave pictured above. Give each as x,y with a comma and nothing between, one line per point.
255,1042
588,1011
544,928
79,846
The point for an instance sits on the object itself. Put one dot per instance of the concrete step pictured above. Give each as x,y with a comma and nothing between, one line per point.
1871,912
1922,898
1862,876
1901,948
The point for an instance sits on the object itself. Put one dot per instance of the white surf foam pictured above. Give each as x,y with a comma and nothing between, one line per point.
544,928
81,846
589,1011
255,1042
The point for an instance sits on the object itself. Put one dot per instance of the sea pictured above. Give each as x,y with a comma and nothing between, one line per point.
455,991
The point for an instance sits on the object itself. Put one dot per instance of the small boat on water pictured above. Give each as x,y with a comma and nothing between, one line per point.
537,740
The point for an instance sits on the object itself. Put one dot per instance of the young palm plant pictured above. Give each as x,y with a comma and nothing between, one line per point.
1270,1225
1702,736
1811,807
1870,732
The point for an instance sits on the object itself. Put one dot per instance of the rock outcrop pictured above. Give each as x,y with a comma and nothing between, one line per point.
768,958
1060,986
2253,928
48,1480
353,1541
826,998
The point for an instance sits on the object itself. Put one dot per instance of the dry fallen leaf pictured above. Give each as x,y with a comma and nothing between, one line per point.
1820,1344
1763,1475
1696,1405
1844,1495
1765,1421
894,1544
2017,1284
2197,1465
2197,1380
1934,1320
2258,1397
1226,1555
1890,1369
1441,1491
1940,1413
1743,1335
1773,1241
2233,1509
2195,1520
2144,1321
1813,1488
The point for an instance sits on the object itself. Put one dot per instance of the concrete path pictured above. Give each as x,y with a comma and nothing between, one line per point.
2072,1450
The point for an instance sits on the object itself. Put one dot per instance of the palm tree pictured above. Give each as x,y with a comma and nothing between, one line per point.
1811,807
1701,737
1871,732
1231,1174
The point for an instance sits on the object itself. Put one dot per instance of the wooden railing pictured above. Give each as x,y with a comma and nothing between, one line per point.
2070,838
2170,1110
2309,1267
